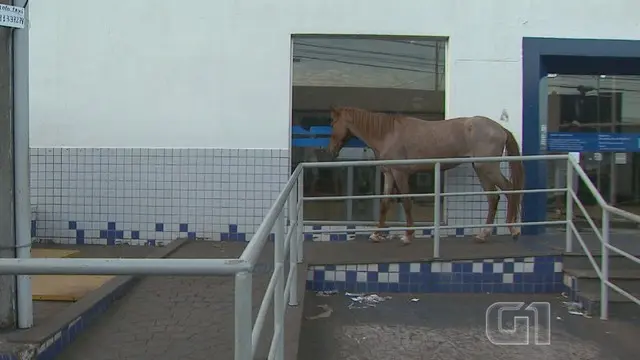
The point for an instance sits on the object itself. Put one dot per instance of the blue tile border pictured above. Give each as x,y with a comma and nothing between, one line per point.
540,274
116,236
345,232
112,234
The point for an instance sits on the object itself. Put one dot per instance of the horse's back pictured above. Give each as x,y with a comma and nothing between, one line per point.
458,137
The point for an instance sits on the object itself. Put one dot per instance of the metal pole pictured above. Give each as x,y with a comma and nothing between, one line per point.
278,292
454,160
436,69
349,192
150,267
569,209
436,211
604,267
300,229
22,168
243,317
376,190
7,207
613,178
293,247
613,174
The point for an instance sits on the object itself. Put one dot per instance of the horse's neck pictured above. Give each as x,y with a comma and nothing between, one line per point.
372,141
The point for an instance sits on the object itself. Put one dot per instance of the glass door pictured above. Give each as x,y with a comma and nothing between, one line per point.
606,105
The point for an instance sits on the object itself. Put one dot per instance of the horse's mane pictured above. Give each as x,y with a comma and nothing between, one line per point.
372,123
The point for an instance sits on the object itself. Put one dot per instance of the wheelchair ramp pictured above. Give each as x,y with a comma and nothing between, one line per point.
174,317
449,327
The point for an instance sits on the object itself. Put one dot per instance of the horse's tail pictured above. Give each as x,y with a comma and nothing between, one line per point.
517,176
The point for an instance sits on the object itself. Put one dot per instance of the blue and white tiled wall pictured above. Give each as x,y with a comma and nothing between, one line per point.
471,209
540,274
152,196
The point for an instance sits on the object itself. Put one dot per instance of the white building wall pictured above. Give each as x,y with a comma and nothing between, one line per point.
120,92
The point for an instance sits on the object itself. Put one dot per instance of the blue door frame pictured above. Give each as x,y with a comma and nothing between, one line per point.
541,56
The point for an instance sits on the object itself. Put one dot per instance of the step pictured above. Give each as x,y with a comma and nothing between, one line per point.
581,261
614,274
619,305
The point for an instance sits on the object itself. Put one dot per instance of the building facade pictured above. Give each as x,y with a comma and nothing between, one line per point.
152,121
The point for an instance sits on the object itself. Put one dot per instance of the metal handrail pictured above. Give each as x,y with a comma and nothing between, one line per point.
603,235
425,195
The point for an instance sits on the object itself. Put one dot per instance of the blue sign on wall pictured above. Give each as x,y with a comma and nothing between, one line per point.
592,142
317,136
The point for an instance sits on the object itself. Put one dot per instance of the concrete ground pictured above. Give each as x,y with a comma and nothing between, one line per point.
192,317
173,317
450,327
45,312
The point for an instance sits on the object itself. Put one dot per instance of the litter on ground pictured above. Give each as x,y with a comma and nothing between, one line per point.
327,293
575,308
326,312
361,301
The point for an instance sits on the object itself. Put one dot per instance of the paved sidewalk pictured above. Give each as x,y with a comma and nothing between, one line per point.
173,317
452,327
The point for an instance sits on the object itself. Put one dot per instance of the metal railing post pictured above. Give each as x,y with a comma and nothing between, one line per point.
293,246
569,209
278,292
243,317
350,180
300,235
604,267
376,190
436,211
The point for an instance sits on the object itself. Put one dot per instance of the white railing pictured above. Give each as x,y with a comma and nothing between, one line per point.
289,246
437,195
603,234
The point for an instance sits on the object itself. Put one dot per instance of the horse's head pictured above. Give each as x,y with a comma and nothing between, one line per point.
340,132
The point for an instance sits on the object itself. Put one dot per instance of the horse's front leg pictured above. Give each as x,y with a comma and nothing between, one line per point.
385,204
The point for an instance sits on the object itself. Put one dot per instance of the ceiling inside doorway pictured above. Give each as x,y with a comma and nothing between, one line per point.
377,63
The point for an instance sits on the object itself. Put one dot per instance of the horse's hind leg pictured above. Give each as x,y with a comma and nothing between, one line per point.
495,177
512,211
484,172
402,182
385,203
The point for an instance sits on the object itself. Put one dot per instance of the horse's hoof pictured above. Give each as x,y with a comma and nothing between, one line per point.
375,238
515,235
406,240
479,239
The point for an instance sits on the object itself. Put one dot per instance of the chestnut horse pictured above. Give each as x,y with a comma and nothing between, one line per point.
397,137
